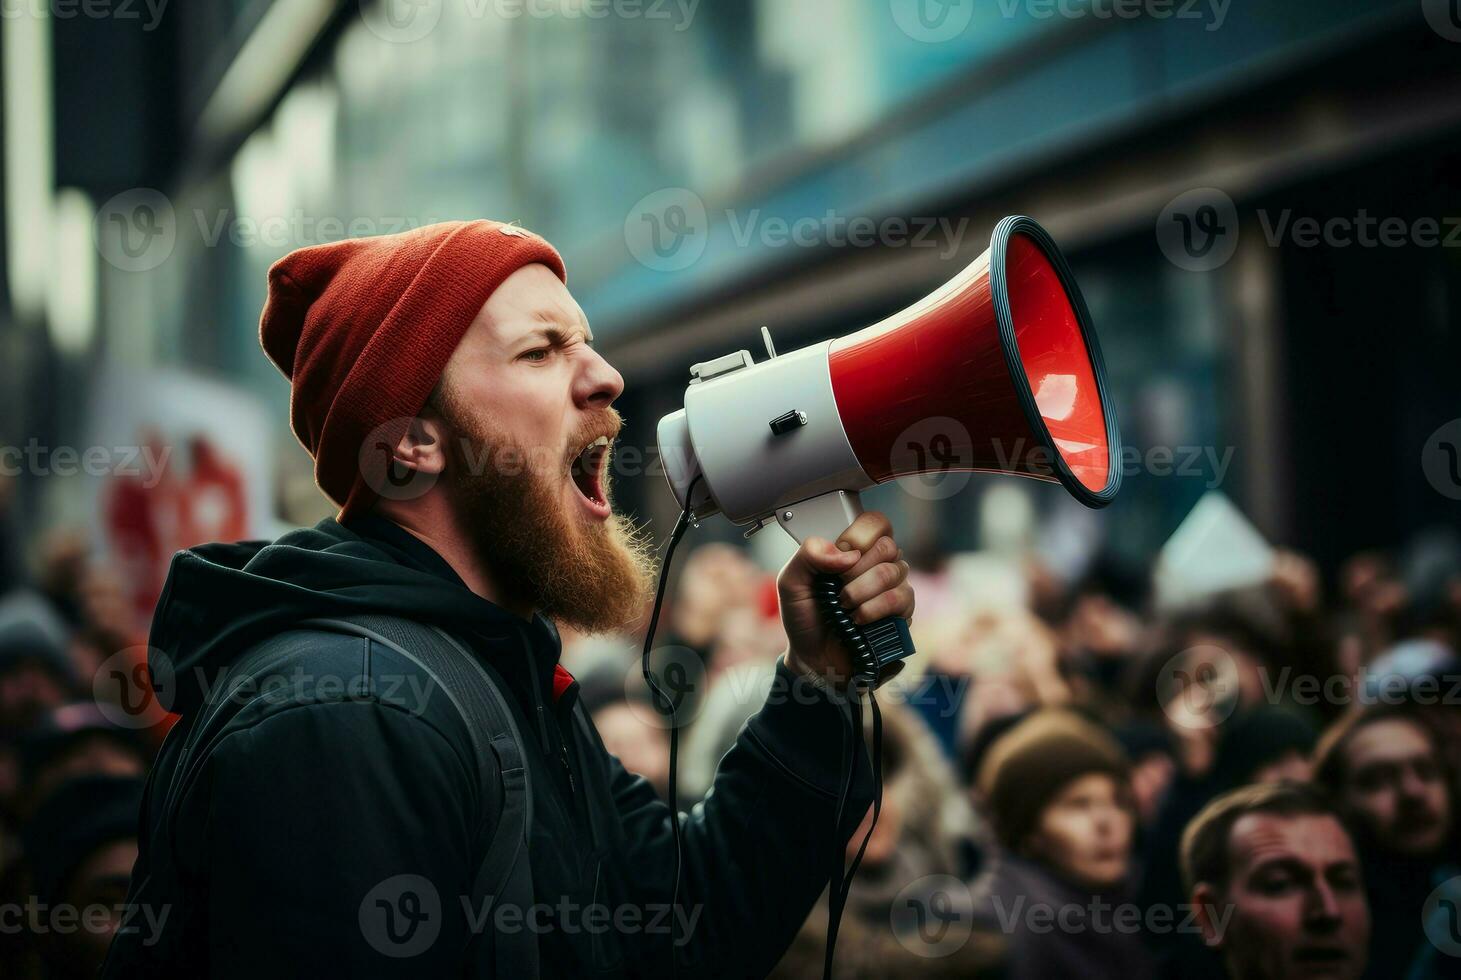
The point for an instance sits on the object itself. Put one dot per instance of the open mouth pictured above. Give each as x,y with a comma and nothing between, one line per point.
587,472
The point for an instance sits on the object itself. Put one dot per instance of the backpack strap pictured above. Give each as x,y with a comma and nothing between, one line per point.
504,876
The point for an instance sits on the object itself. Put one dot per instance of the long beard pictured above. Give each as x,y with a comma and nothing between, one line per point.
590,575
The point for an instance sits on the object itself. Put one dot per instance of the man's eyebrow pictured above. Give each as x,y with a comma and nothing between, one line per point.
558,336
555,332
1281,862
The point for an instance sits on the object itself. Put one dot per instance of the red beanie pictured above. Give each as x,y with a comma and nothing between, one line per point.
363,328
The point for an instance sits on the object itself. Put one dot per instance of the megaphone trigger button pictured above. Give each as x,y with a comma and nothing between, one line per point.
785,423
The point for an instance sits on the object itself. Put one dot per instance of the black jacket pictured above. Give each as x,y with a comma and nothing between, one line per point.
329,794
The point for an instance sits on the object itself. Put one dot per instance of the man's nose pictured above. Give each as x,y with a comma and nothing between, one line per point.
1322,914
1106,818
598,383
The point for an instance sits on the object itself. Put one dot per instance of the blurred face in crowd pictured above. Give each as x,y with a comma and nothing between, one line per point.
1294,898
717,579
1395,783
1084,832
1225,667
98,883
27,689
526,403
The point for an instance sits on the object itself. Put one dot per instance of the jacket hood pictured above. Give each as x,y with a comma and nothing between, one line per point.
220,599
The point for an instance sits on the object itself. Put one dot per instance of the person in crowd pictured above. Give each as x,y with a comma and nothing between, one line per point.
36,676
444,380
716,579
1276,885
80,846
73,740
1210,674
1056,789
1385,766
36,673
919,849
1101,632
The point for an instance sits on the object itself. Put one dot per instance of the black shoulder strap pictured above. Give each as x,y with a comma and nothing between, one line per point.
504,877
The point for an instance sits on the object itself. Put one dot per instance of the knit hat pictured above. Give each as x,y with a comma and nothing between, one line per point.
363,328
58,729
1027,766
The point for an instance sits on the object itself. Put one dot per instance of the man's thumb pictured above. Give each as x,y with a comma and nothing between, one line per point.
822,556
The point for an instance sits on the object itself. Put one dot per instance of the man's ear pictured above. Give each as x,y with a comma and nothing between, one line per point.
422,447
1211,912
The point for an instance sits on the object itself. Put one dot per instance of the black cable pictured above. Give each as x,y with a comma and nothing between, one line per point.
825,590
666,705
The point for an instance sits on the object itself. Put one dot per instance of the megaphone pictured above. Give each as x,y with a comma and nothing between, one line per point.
997,371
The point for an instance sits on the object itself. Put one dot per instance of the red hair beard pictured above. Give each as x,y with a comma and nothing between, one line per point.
593,576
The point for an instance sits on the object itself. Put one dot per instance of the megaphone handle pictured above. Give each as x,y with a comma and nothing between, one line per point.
878,649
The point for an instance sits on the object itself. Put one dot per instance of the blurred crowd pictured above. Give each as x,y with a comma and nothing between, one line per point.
1079,781
1082,781
74,749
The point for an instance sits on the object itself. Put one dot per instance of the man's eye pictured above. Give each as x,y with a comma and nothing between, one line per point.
1275,884
540,354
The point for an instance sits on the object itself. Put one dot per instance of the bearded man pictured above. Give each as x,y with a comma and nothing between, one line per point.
313,823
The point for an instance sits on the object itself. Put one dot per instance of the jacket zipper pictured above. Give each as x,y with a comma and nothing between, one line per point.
567,769
538,707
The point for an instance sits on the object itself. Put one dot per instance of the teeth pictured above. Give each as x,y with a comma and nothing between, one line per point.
601,441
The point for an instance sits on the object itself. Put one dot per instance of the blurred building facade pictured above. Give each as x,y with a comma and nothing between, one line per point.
704,168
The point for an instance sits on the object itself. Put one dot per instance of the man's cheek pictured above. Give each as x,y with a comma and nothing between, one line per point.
1265,929
1356,917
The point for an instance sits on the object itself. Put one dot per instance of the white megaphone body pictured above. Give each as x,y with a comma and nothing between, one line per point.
998,370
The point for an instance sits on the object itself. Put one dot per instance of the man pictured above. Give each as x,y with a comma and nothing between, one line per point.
1276,884
445,382
1056,788
1386,768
